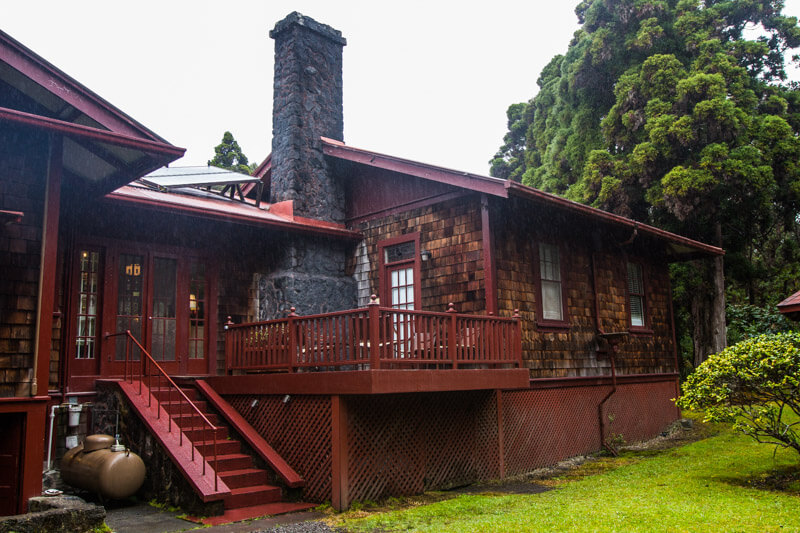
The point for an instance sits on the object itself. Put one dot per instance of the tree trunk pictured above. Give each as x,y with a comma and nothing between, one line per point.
708,307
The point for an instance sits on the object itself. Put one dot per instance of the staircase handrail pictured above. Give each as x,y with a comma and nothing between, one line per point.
171,386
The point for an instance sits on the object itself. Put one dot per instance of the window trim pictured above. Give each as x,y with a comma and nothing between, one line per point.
541,322
644,329
383,278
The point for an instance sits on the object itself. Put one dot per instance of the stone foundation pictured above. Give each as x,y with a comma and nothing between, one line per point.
56,514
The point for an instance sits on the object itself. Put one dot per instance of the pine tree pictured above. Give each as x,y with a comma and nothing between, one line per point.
671,113
228,155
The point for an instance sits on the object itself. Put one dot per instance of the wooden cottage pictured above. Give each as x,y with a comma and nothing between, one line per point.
344,325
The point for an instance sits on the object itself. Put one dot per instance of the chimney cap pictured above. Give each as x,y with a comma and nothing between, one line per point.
310,24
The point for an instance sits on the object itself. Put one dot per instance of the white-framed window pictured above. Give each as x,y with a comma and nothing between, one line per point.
636,301
552,304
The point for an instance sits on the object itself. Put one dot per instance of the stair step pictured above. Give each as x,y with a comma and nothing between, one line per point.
175,406
253,495
224,447
235,479
163,393
232,461
256,511
194,420
199,434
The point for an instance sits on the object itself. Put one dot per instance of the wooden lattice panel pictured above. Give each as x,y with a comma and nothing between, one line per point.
544,426
299,430
408,443
541,427
640,411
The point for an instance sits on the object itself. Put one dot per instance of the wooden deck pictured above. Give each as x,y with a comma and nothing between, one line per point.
375,350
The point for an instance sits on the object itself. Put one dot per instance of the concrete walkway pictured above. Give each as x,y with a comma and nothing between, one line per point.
144,518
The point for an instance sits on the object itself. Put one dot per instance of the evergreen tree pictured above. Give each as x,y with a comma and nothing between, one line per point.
664,111
229,155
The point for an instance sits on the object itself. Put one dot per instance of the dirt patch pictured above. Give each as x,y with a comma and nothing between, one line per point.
781,480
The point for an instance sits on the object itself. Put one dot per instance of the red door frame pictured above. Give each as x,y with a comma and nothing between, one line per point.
383,272
106,364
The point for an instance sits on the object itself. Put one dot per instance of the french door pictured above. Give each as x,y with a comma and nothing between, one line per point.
161,300
160,296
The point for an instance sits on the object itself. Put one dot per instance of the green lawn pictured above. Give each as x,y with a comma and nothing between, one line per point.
715,484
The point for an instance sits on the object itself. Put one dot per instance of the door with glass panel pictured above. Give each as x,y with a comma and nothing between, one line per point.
87,283
161,299
401,289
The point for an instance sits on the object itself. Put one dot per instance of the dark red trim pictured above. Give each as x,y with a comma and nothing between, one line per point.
85,132
339,150
48,265
489,266
535,194
68,89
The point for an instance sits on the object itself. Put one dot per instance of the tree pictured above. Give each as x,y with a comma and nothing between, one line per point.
756,385
229,155
664,112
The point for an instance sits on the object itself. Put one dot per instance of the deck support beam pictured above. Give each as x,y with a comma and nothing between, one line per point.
340,498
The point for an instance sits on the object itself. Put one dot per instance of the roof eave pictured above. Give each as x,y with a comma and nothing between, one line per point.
306,226
474,182
70,90
611,218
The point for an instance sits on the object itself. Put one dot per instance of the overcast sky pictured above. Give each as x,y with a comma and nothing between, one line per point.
424,80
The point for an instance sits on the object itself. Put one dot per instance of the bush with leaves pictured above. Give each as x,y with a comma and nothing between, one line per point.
755,384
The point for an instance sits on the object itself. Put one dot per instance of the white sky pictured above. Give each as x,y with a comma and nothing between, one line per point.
424,80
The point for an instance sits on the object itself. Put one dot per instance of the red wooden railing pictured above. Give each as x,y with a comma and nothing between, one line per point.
146,368
374,338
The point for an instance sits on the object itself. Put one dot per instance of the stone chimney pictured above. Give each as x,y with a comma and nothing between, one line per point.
307,105
308,272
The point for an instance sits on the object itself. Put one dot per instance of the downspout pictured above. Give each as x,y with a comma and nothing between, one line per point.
613,339
602,334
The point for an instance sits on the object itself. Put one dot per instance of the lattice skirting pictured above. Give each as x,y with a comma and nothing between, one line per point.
408,443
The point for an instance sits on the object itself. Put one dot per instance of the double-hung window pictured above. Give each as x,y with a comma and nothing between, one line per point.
552,301
636,300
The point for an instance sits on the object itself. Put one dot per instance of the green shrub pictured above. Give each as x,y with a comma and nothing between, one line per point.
755,384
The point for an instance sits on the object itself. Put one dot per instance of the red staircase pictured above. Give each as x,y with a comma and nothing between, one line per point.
249,486
205,446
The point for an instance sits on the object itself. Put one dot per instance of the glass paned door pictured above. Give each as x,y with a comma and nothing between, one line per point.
130,302
87,288
401,280
163,320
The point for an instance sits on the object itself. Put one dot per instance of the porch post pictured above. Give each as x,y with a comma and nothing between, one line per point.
47,266
293,336
340,494
501,450
452,336
374,333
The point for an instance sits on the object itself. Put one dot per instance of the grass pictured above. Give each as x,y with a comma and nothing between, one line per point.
726,482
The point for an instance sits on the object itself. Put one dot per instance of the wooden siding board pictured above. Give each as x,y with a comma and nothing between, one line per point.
573,351
452,232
